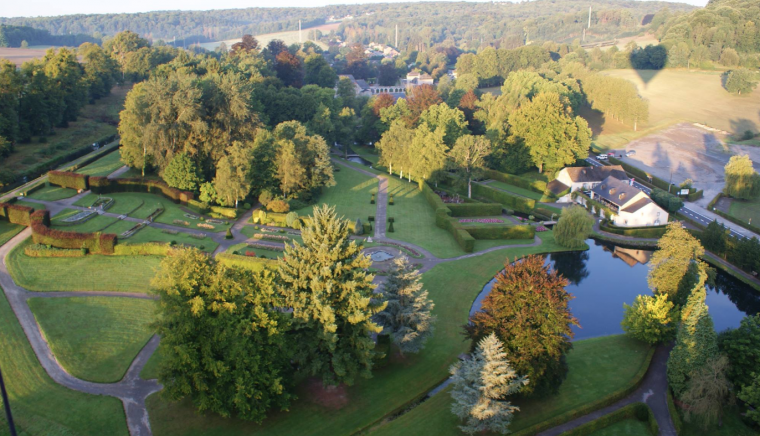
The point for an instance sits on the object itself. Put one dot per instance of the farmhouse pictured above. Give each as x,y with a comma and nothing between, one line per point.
360,86
582,178
415,78
631,206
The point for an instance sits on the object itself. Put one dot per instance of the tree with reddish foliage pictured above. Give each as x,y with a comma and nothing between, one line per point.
528,311
276,46
289,70
468,105
420,98
246,45
356,62
381,101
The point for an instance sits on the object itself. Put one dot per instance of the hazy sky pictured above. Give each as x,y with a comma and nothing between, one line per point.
33,8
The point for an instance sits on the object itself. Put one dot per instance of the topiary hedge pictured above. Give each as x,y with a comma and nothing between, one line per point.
37,250
639,232
499,231
475,209
16,214
227,212
514,202
101,243
104,185
67,179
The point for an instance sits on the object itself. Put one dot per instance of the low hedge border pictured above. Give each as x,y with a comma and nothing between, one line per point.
104,185
500,231
101,243
674,415
16,214
37,250
247,262
638,232
639,411
475,209
68,179
735,220
144,249
595,405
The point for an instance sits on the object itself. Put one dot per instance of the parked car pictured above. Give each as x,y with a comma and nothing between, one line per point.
602,157
630,153
611,154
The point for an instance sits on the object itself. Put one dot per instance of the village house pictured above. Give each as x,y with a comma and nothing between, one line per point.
582,178
415,78
631,207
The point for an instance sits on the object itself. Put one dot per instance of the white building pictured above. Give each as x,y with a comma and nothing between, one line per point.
582,178
415,78
631,206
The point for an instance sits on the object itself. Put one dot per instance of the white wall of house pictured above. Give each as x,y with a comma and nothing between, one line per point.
649,215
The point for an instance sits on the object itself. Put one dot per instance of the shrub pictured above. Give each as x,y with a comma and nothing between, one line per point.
372,200
68,179
228,234
358,227
390,200
669,202
278,206
651,319
290,219
390,227
265,197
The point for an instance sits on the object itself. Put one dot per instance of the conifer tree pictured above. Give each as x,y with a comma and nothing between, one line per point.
672,269
480,387
406,318
325,282
696,342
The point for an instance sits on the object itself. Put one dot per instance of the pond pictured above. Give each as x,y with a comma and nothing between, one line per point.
606,276
381,256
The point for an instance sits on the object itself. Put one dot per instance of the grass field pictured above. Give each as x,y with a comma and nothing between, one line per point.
53,193
95,122
8,231
598,367
452,286
627,427
94,338
516,190
350,196
103,166
746,210
90,273
42,407
289,37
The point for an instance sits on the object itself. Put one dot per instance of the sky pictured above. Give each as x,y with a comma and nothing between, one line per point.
34,8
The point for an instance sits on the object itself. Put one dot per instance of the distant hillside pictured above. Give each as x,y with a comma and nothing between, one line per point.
557,20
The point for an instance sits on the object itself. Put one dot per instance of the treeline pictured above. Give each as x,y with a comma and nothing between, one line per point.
16,36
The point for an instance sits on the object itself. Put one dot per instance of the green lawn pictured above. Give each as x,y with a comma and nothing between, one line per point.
52,193
150,370
453,287
96,224
42,407
94,338
8,231
90,273
351,195
626,427
515,190
598,367
136,173
103,166
746,210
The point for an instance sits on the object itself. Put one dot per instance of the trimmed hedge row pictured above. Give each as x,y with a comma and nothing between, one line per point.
590,407
475,209
443,219
37,250
674,415
534,185
500,231
104,185
639,232
68,179
227,212
639,411
145,249
16,214
101,243
521,204
247,262
95,157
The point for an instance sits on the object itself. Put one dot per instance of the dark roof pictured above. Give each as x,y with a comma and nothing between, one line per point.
637,205
556,187
595,174
361,84
615,191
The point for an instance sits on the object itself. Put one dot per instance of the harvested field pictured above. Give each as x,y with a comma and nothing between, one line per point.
289,37
20,55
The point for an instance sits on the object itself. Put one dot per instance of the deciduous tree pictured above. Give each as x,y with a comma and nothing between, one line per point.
651,319
709,392
182,173
672,269
574,226
742,346
742,181
468,156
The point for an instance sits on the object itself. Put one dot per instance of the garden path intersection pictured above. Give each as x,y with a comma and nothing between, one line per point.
133,390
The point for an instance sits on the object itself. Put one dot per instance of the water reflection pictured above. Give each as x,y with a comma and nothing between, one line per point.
606,276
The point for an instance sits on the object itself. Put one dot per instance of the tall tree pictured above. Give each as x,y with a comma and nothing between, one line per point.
406,317
394,145
468,156
289,69
223,338
246,45
451,121
709,392
122,44
651,319
742,346
303,160
742,181
536,332
233,174
325,282
182,173
574,226
673,267
741,81
481,385
427,155
750,395
318,72
420,98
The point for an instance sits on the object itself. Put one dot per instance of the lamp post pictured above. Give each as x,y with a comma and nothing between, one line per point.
7,405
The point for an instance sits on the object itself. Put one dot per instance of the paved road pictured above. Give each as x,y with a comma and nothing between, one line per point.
694,212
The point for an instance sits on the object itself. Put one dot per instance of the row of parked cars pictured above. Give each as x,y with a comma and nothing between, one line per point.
628,153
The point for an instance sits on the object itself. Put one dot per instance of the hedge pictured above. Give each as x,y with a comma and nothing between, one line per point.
590,407
16,214
641,174
37,250
500,231
104,185
521,204
475,209
694,196
227,212
674,415
639,411
101,243
145,249
67,179
546,212
639,232
247,262
465,240
533,185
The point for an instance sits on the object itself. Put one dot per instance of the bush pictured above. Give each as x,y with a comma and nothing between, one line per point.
475,209
265,197
359,227
67,179
228,234
669,202
227,212
574,227
651,319
290,219
198,206
372,200
390,200
278,206
390,227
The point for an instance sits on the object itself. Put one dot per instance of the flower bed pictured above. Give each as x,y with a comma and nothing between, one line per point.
482,221
81,216
541,229
197,235
271,237
446,198
215,221
205,226
181,223
170,232
134,230
191,216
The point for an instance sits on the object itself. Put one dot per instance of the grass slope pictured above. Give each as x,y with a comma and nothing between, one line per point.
103,166
90,273
627,427
8,231
452,286
42,407
598,367
94,338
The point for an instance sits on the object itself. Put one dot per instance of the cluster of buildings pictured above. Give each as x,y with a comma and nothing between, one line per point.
375,50
610,186
414,78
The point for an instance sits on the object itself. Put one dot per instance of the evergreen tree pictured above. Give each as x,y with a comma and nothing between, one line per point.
223,337
481,385
742,181
750,394
574,226
651,319
696,342
528,311
182,173
715,237
672,269
742,346
325,282
406,318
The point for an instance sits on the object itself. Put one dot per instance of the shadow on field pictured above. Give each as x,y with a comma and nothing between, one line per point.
648,61
743,129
